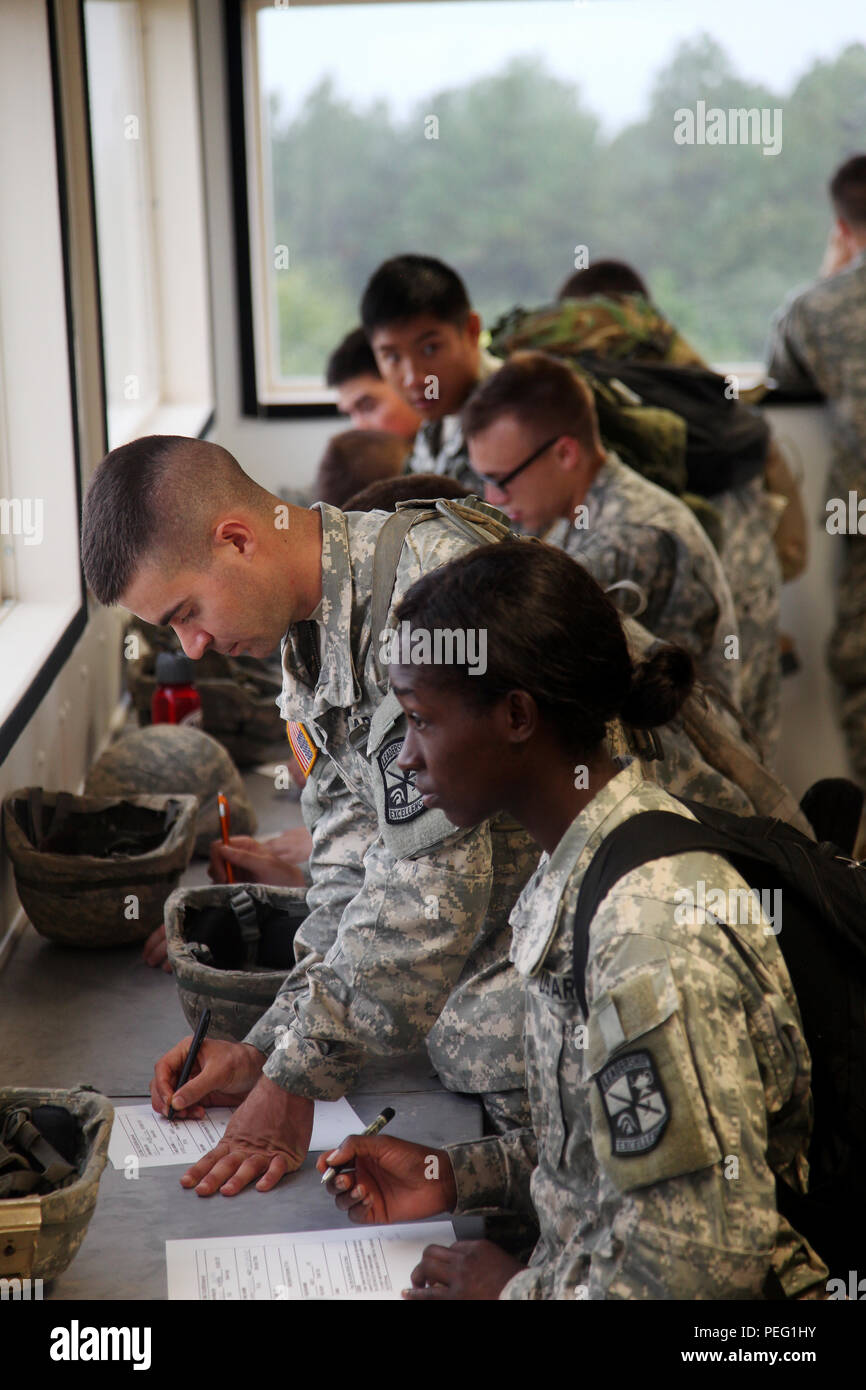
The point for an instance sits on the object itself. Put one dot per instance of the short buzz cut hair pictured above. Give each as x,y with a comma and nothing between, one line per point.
154,500
541,392
352,357
355,458
407,286
603,277
848,191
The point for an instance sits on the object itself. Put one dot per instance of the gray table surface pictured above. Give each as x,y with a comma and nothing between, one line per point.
103,1018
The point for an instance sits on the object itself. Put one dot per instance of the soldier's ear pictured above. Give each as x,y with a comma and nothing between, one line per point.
473,327
569,454
520,716
231,531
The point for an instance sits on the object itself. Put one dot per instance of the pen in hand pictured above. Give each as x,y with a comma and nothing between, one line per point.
197,1040
225,826
378,1124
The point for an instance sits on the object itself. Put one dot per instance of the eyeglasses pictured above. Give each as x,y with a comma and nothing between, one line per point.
502,482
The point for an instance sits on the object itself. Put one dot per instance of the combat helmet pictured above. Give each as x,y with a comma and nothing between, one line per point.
173,758
48,1185
231,947
92,870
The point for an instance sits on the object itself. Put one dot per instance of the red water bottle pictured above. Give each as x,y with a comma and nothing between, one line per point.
175,700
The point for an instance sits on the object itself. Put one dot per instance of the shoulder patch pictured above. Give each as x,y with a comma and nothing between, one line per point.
403,800
303,747
634,1102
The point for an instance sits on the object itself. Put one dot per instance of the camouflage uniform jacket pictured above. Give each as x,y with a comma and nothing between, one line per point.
439,444
818,340
628,528
662,1121
408,930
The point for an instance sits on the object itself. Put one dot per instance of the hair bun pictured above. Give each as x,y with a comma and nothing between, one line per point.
659,687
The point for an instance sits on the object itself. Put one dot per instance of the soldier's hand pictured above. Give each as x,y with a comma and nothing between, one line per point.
222,1073
155,951
475,1269
253,861
267,1137
295,845
391,1179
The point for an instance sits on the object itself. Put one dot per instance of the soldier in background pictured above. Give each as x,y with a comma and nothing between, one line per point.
533,439
355,458
662,1120
369,402
763,524
818,342
426,339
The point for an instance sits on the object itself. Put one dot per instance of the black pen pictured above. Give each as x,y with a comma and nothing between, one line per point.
378,1124
197,1040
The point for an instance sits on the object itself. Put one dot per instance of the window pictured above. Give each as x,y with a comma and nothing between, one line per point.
43,608
141,79
507,135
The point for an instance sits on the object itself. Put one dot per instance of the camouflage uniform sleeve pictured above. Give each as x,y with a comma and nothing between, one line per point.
494,1174
342,827
393,964
787,350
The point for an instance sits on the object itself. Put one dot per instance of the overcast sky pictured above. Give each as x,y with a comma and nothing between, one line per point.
611,48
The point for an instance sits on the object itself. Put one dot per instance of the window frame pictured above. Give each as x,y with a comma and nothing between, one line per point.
195,417
236,18
21,712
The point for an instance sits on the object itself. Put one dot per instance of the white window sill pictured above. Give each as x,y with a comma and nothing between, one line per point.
29,633
188,419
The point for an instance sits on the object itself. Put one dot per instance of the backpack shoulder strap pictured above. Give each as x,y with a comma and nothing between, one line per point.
479,522
386,557
639,840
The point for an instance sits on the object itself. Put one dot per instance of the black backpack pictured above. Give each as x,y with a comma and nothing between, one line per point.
823,941
726,440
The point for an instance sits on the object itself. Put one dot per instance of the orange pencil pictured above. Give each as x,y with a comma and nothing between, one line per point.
225,824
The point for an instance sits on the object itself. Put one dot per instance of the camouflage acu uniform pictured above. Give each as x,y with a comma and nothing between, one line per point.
633,530
818,341
632,327
439,444
692,1056
407,936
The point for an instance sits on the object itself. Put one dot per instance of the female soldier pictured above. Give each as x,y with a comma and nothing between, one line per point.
661,1120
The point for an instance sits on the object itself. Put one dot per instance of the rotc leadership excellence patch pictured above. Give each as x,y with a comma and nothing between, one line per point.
635,1104
402,798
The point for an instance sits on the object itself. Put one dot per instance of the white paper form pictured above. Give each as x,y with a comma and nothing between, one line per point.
373,1262
156,1142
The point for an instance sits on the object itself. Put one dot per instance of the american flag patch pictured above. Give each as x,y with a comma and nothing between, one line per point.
303,747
